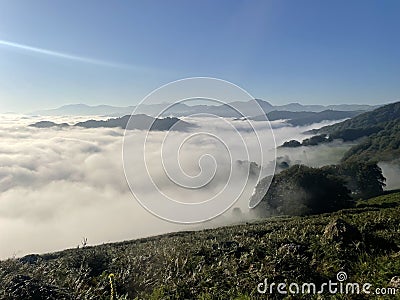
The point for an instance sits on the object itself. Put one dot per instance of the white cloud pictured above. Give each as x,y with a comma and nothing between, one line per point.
60,185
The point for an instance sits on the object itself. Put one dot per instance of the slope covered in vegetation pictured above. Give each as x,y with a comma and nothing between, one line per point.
222,263
378,131
377,118
381,146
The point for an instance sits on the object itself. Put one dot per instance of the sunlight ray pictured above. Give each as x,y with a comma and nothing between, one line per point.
62,55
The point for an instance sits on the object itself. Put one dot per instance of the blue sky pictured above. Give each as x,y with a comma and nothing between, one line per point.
115,52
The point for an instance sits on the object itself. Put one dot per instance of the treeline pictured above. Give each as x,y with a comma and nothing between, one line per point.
312,141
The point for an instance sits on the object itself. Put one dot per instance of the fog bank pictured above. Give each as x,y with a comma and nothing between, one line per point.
58,186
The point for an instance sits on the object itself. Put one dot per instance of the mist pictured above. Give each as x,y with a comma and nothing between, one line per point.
312,156
58,186
391,171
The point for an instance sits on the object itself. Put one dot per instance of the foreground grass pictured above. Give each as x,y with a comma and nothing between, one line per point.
222,263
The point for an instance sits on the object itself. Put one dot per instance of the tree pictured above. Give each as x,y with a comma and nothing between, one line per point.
301,190
365,180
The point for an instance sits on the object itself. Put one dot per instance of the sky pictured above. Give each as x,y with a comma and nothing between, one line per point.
116,52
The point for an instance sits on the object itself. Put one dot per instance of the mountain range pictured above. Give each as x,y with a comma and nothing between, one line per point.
182,109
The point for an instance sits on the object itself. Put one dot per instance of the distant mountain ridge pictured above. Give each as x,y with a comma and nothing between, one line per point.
83,109
182,109
303,118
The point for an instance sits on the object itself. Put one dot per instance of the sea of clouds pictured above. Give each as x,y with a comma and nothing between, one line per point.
58,186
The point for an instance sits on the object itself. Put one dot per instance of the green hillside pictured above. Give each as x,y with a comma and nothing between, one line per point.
222,263
381,146
378,132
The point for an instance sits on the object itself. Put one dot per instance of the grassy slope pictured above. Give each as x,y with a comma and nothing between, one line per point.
223,263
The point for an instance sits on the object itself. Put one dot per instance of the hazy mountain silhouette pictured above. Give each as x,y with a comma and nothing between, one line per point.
303,118
48,124
182,109
140,122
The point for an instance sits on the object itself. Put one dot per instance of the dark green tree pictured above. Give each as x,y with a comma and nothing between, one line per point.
365,180
302,190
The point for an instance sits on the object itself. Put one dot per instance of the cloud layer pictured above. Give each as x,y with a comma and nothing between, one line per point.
60,185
